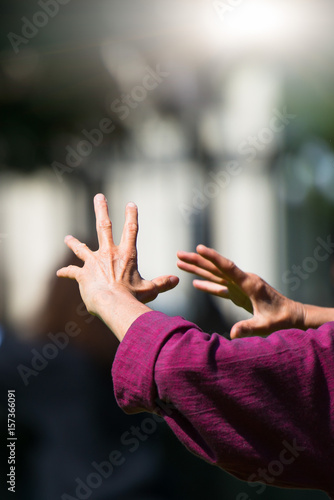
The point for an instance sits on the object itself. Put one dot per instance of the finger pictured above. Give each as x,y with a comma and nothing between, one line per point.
165,283
212,288
71,272
130,229
103,222
240,330
160,285
248,328
190,268
197,260
81,250
226,266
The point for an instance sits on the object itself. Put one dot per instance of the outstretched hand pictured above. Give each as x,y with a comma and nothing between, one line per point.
271,310
112,269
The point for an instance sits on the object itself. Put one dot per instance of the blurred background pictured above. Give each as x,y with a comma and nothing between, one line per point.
217,119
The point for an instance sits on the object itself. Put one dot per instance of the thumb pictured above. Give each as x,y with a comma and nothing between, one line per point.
247,328
165,283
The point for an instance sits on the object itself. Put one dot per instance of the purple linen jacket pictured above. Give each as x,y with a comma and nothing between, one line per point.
260,408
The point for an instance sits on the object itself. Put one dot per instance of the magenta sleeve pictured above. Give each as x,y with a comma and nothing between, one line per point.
260,408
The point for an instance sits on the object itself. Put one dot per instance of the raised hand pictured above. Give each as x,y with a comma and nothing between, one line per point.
112,269
271,310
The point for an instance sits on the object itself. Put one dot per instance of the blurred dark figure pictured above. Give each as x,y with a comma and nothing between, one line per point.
72,439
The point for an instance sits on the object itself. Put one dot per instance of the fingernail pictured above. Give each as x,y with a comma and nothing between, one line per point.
68,237
100,197
174,280
131,204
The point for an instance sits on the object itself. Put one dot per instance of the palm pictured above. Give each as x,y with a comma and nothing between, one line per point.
239,298
217,278
112,266
270,309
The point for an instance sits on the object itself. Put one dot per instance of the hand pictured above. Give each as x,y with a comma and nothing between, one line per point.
271,310
112,269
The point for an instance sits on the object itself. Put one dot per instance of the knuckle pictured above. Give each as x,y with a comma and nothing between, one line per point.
132,227
105,224
197,259
79,247
131,255
230,265
260,287
71,270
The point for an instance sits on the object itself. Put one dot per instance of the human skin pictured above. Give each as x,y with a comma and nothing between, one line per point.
271,310
113,289
109,281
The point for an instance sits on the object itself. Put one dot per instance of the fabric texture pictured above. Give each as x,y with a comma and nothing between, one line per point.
260,408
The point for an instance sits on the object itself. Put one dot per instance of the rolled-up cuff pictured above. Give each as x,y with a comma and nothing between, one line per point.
133,368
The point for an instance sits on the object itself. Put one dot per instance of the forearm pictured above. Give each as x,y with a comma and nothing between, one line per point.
238,404
315,316
118,310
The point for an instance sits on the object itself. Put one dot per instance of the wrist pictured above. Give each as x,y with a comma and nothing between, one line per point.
106,300
118,309
316,316
301,316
